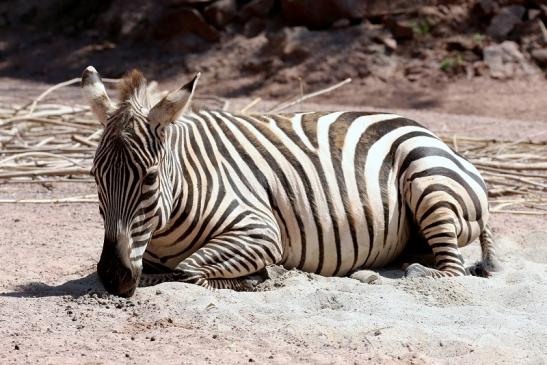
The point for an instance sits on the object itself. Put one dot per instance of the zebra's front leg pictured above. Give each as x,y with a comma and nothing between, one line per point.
233,260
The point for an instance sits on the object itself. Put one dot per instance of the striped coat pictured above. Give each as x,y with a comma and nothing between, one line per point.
328,193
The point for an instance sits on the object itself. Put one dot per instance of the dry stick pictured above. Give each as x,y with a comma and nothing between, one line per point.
40,114
494,192
47,149
283,101
45,181
250,105
47,172
512,166
42,154
58,86
82,140
455,143
74,199
48,121
224,102
43,142
49,90
311,95
520,179
527,138
524,212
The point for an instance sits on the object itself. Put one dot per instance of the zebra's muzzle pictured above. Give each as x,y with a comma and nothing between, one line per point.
118,276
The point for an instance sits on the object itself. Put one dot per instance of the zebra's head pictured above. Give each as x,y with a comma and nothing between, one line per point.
131,172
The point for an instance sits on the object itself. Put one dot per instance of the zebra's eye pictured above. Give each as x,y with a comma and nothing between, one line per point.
150,177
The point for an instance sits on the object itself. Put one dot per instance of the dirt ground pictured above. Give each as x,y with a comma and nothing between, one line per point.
54,310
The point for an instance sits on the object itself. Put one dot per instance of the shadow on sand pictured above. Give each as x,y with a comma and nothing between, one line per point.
74,288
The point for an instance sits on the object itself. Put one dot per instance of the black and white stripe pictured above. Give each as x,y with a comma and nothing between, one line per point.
328,193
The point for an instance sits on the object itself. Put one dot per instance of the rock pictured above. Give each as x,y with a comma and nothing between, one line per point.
486,7
256,8
533,14
432,15
540,56
511,52
174,3
365,276
389,42
401,29
185,20
289,44
254,27
460,43
221,12
320,14
505,21
383,67
378,8
341,23
493,57
504,60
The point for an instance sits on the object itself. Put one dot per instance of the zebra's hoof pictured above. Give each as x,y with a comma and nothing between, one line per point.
250,283
416,271
484,270
366,276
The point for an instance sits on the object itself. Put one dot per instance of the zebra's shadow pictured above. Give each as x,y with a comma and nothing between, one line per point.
75,288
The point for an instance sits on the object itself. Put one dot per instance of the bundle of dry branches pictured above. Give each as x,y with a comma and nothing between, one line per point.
42,142
51,140
515,172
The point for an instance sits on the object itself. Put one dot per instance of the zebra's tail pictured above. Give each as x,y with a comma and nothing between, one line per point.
490,262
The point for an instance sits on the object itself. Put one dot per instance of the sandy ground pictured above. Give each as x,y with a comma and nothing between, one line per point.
54,310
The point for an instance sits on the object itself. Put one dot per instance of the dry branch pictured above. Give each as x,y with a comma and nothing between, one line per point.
309,96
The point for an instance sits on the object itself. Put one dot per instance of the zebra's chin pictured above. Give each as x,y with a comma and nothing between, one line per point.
118,281
117,277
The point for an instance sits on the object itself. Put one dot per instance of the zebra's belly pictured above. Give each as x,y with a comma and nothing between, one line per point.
340,254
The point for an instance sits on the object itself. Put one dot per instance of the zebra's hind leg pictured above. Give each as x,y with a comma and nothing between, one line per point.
442,238
490,262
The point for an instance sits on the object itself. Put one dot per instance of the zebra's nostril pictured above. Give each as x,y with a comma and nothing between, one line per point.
116,277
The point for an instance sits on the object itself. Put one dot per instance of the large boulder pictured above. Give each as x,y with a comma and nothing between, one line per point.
505,21
184,20
256,8
221,12
505,61
320,14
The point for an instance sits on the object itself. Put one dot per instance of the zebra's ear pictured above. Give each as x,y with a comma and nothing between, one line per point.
168,109
93,89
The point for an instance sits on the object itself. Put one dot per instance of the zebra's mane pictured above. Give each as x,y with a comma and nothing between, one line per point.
133,89
134,95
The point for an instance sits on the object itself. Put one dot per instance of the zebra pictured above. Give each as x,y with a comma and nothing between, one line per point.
213,198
